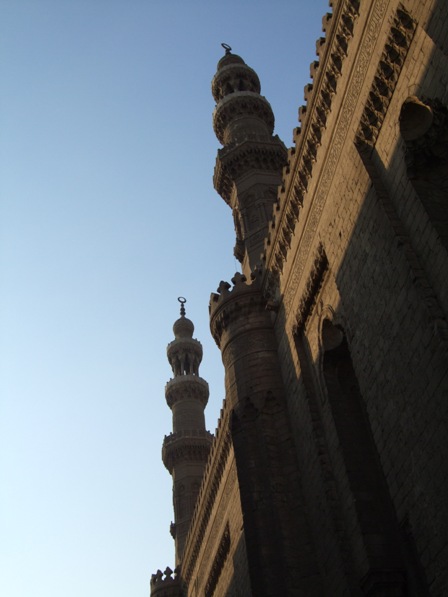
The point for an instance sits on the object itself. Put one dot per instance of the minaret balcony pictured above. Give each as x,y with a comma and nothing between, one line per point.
186,387
186,446
234,77
237,160
239,105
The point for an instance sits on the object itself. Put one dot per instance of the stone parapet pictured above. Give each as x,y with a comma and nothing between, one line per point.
332,51
166,584
232,304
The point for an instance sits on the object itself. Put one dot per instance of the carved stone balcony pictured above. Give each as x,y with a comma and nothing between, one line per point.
186,446
186,387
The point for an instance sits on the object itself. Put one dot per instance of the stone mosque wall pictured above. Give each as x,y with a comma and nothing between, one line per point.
328,474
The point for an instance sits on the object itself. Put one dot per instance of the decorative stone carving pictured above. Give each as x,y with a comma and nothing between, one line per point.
320,97
273,257
186,386
240,104
235,160
234,77
386,77
184,446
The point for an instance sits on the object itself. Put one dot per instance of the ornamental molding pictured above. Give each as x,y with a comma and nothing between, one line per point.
386,77
332,51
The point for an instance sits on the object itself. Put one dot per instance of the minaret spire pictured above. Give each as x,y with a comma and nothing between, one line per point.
186,449
248,168
182,302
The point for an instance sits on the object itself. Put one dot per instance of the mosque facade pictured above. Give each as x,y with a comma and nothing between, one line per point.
328,471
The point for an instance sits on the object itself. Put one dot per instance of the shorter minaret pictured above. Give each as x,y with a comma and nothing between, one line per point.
186,449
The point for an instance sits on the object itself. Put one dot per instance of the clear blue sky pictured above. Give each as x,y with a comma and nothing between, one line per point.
107,215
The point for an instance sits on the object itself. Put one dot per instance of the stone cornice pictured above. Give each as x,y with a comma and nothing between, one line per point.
332,51
186,386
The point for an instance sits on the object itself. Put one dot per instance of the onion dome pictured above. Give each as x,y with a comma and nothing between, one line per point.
183,327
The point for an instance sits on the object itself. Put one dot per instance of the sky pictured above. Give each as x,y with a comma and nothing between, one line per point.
108,215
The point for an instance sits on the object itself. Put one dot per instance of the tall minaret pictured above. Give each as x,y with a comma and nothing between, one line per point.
248,168
185,451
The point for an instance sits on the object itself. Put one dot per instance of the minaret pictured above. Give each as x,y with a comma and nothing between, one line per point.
248,168
186,449
247,174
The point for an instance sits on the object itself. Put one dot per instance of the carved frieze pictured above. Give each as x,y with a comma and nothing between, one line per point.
320,96
354,89
386,77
